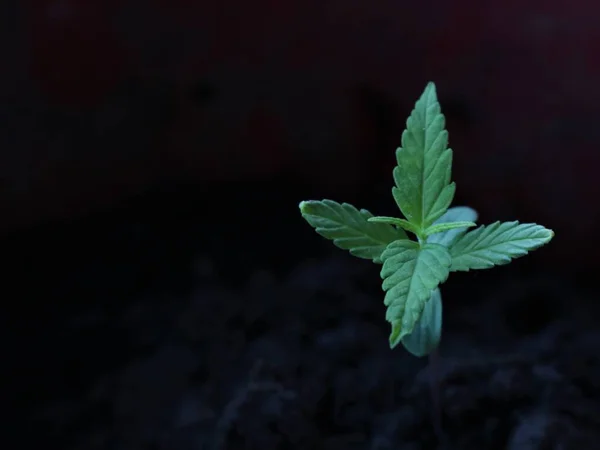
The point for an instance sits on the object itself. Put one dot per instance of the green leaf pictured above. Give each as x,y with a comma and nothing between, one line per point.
446,226
497,244
423,189
402,223
410,273
427,333
455,214
349,228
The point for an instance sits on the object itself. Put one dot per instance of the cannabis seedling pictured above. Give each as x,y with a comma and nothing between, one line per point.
413,269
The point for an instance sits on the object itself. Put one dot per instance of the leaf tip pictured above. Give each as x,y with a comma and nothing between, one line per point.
548,234
394,335
304,206
430,91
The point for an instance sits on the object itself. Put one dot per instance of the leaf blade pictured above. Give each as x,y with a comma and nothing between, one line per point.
423,190
497,244
349,228
410,273
427,332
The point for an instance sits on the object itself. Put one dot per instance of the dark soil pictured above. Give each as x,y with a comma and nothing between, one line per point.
161,327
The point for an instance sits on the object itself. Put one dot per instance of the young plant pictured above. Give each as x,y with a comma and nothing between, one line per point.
413,269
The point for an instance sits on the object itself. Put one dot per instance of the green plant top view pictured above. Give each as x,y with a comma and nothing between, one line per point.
444,240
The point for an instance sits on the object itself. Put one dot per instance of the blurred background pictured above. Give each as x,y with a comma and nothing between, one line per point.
152,158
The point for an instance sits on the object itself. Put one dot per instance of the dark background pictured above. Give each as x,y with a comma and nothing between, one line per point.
161,290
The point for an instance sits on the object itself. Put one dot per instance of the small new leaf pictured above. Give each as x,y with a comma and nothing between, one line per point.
413,270
496,244
349,228
410,273
402,223
445,226
423,189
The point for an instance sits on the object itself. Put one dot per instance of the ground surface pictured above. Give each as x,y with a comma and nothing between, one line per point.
287,355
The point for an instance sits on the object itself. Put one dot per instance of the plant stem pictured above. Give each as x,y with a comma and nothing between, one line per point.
435,384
